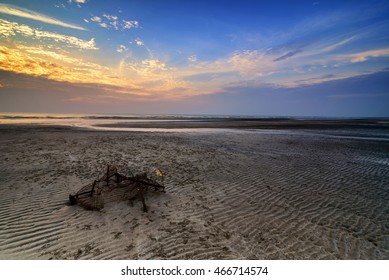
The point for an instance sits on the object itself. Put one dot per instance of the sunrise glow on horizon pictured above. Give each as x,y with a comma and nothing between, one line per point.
318,58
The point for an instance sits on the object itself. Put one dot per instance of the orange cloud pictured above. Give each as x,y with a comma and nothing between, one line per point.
40,62
363,56
33,61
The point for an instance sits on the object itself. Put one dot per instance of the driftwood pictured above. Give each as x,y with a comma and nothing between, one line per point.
113,185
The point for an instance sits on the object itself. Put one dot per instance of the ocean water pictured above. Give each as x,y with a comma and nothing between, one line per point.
369,129
92,120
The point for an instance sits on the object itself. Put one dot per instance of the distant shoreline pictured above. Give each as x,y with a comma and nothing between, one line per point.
357,129
193,122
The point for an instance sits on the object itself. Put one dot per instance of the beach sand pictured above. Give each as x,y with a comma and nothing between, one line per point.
230,194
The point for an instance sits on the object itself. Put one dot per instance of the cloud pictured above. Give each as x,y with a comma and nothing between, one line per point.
110,17
248,63
130,24
96,19
155,76
24,13
41,62
285,56
210,76
263,66
78,2
318,80
8,29
103,24
337,45
139,42
112,21
115,25
60,6
192,58
343,59
146,69
154,64
59,57
17,61
281,65
121,49
70,40
363,56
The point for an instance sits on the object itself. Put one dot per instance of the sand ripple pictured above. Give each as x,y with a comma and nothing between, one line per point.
237,195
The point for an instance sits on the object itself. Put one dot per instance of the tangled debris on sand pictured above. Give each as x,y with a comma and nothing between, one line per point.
115,186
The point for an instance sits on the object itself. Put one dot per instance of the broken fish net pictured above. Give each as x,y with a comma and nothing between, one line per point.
113,186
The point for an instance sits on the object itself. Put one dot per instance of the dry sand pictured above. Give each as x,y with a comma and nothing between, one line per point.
229,195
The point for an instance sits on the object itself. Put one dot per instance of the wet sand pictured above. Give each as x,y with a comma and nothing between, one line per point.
254,123
306,193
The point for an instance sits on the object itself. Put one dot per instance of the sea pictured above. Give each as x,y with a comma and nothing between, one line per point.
379,126
97,121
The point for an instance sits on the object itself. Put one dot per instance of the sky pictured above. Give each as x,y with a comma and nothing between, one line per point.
266,58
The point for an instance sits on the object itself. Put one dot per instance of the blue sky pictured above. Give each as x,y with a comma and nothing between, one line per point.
209,57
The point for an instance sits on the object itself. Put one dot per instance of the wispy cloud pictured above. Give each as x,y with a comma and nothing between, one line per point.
316,64
337,45
57,56
155,75
318,80
363,56
287,55
343,58
249,63
70,40
8,29
24,13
